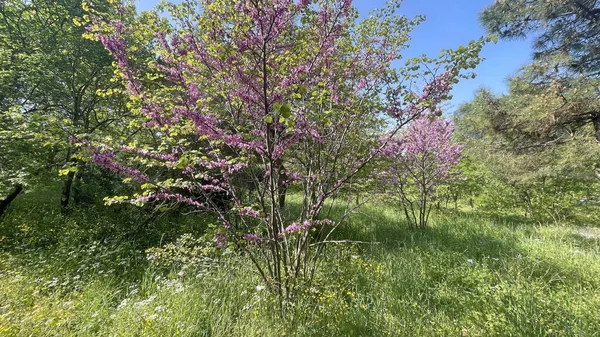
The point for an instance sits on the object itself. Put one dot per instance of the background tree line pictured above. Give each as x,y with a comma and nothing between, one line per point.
537,145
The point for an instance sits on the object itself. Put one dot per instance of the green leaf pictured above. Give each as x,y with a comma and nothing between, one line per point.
63,172
286,111
182,163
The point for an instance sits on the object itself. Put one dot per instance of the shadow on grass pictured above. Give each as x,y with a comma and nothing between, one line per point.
465,233
457,238
453,267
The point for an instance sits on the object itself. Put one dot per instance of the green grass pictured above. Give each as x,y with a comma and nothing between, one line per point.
469,274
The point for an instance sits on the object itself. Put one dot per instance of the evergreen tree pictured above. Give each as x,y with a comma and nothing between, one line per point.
561,28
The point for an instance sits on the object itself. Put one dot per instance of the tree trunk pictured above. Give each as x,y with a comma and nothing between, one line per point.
12,196
68,184
79,196
66,194
282,193
596,122
281,182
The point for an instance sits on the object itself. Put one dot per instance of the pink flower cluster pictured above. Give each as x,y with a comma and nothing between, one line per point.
108,161
247,211
306,225
424,152
231,66
252,238
221,239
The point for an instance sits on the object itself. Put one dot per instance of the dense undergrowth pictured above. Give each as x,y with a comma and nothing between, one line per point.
87,273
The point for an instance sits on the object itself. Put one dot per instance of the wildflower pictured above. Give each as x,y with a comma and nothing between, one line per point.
252,238
122,304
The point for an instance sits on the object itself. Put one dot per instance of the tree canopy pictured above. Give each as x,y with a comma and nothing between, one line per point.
560,28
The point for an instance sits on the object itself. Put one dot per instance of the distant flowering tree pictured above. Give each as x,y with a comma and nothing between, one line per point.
420,160
246,98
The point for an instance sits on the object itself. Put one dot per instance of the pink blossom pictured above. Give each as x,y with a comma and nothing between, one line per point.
221,239
252,238
247,211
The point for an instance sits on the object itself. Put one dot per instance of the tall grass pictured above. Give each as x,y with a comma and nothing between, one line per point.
469,274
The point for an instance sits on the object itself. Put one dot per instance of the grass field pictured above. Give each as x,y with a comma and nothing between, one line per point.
469,274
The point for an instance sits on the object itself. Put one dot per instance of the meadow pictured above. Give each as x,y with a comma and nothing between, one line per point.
196,169
91,273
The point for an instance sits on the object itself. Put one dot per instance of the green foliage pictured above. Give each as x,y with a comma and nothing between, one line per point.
534,147
560,28
541,139
186,253
55,84
149,271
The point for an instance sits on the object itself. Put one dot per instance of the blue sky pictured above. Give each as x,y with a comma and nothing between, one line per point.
448,25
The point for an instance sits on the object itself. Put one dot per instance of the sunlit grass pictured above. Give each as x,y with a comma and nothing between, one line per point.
469,274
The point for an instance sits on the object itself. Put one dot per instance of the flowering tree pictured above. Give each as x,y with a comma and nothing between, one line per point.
420,161
247,98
